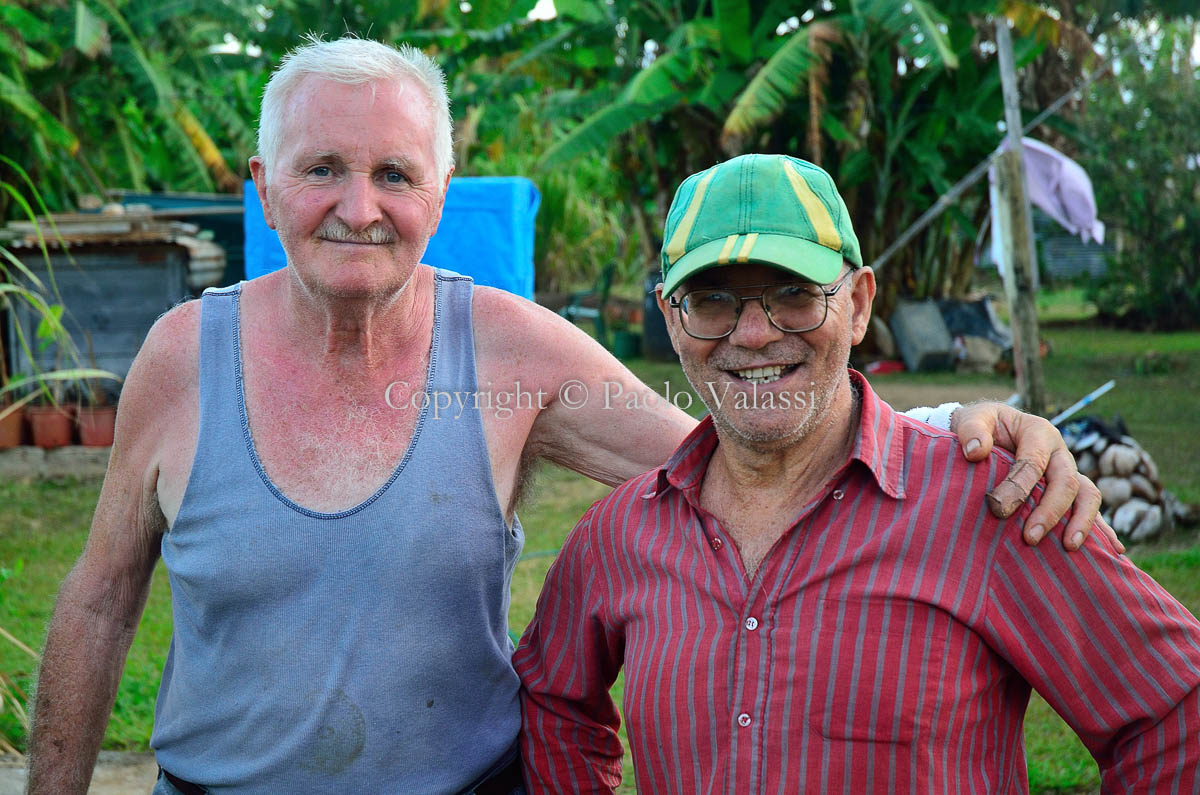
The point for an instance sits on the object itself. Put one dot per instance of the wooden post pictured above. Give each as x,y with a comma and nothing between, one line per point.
1015,233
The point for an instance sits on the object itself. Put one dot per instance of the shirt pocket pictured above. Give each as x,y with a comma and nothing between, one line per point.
878,660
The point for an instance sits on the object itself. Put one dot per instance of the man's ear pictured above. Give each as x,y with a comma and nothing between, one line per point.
863,295
437,219
258,172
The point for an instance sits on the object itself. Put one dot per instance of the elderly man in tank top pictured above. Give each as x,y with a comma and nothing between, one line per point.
339,551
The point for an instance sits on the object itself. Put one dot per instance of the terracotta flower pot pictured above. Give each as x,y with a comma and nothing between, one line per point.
51,425
10,428
96,424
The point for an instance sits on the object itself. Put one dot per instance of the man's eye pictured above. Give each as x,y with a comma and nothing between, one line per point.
321,171
795,292
704,301
395,178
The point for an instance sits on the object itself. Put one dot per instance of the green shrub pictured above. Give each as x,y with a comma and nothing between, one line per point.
1144,132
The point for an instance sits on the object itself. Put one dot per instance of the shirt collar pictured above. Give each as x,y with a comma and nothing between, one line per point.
880,443
879,446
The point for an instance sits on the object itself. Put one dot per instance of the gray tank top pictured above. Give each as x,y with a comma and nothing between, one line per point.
354,652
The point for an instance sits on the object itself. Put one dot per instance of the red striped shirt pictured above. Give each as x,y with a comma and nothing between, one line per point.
887,643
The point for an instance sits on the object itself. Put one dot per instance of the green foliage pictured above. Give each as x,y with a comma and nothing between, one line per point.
576,232
896,100
1143,131
782,76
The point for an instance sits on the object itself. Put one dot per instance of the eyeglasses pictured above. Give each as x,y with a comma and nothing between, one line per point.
714,314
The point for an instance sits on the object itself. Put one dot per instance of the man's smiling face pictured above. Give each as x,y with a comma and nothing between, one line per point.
354,192
767,388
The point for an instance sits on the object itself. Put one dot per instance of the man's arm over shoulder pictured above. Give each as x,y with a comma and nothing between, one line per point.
1110,650
101,600
568,659
597,417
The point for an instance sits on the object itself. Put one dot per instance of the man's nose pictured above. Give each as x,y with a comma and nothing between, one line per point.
754,329
358,206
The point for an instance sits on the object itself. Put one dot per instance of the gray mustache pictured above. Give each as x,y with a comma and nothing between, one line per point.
339,232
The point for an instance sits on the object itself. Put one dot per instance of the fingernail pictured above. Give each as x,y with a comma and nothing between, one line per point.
972,446
1036,532
1077,539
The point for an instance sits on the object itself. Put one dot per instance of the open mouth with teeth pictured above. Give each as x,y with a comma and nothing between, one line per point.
764,375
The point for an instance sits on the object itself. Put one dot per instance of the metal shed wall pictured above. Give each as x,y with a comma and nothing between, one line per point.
113,292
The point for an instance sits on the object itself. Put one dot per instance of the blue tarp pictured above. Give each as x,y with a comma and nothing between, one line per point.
486,232
262,248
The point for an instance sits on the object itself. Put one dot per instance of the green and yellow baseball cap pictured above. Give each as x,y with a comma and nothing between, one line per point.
768,209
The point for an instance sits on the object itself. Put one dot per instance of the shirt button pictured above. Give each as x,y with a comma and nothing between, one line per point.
716,544
838,494
751,623
743,720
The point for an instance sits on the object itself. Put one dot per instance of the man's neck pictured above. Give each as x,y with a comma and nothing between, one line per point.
757,494
358,333
798,467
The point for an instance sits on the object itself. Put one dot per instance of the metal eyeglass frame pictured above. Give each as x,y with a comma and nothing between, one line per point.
677,304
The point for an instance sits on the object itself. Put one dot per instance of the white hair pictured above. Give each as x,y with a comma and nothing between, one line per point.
355,61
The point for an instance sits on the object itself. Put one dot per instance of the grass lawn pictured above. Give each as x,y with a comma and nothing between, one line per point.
43,526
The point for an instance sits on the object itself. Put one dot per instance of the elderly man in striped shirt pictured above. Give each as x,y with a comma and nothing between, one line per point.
808,596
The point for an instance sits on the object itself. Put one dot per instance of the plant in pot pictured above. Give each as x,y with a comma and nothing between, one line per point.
19,390
21,288
96,416
51,419
12,413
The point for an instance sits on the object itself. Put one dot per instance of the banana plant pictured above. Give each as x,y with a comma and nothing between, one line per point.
746,65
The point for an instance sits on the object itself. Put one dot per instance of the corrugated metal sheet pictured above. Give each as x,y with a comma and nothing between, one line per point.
1066,256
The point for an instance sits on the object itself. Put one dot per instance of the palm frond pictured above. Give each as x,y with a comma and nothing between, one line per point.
931,26
598,130
652,92
783,77
45,124
733,21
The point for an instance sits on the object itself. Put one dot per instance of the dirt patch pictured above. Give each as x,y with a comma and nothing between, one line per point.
116,774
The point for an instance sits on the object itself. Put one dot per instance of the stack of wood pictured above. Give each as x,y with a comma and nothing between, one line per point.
1135,503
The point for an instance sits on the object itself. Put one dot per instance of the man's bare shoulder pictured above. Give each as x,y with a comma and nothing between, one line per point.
520,332
169,357
162,381
156,421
